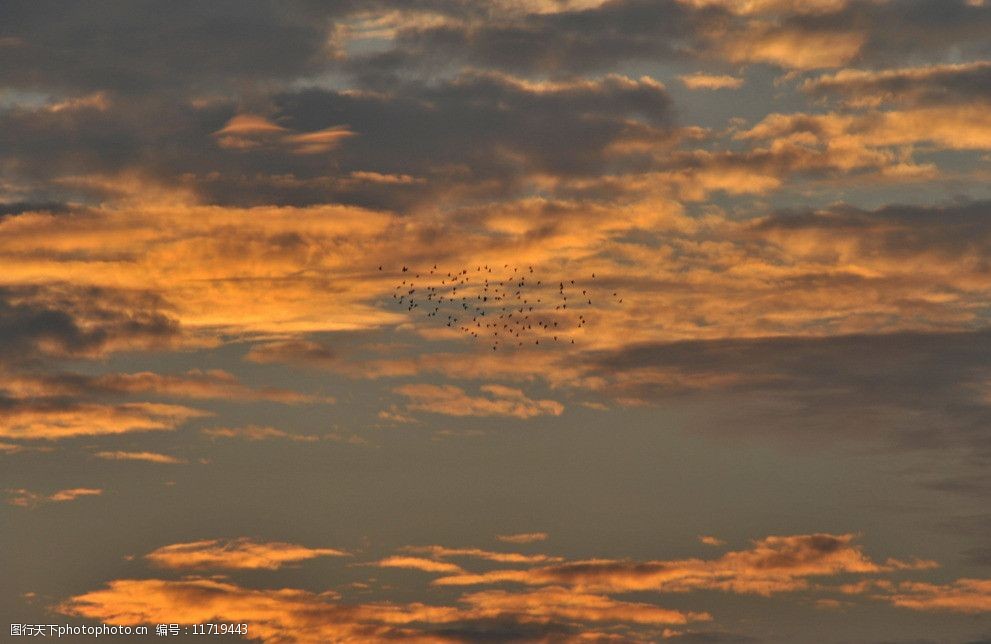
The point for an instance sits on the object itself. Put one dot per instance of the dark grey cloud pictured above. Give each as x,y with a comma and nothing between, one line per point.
505,630
559,129
980,556
567,42
157,46
927,85
476,133
900,231
715,637
18,207
621,32
910,390
919,30
37,322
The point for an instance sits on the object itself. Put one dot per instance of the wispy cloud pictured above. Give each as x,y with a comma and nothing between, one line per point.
26,498
454,401
241,554
523,537
148,457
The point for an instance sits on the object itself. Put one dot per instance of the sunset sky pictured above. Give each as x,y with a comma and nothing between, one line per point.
766,418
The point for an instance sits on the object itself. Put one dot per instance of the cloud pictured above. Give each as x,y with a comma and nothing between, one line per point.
210,274
247,131
50,420
303,616
709,81
195,384
522,131
756,7
79,322
519,130
774,564
419,563
523,537
453,401
563,42
711,541
10,448
257,433
26,498
607,35
302,352
857,135
148,457
960,596
794,46
566,603
442,552
904,391
271,614
208,48
74,493
236,554
931,84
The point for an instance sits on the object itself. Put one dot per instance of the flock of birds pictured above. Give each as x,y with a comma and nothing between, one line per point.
507,307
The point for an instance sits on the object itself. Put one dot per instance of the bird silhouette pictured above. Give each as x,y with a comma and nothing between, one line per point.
526,309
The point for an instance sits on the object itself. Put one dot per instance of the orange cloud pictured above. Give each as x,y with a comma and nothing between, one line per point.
523,537
214,383
442,552
945,84
951,127
710,81
288,614
763,42
148,457
50,420
213,268
453,401
293,352
960,596
774,564
249,131
566,603
750,7
241,554
419,563
26,498
257,433
272,615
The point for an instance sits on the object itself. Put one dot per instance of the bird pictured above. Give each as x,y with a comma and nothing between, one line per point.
522,307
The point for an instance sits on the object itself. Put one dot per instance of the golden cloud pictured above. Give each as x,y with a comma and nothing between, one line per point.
453,401
774,564
250,131
523,537
296,615
50,420
960,596
26,498
566,603
242,554
147,457
442,552
197,384
257,433
710,81
418,563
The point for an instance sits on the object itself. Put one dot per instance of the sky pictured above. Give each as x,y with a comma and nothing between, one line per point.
255,258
